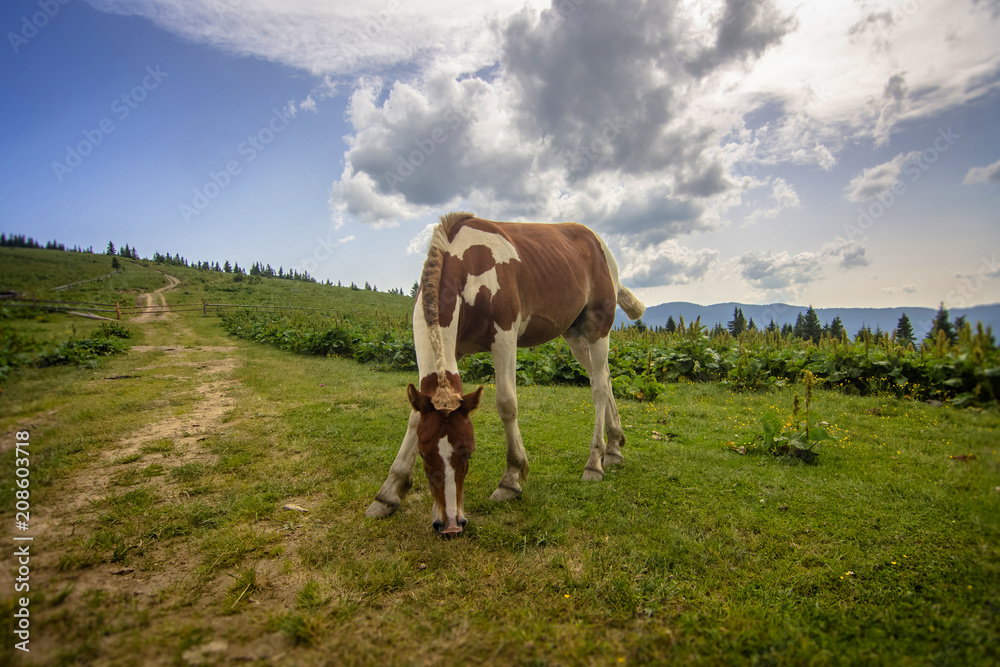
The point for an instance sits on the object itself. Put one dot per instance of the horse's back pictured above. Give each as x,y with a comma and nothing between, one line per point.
548,276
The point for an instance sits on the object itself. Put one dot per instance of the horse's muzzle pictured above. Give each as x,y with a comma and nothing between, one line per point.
452,528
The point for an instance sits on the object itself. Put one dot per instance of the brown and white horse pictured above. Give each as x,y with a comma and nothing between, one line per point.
497,286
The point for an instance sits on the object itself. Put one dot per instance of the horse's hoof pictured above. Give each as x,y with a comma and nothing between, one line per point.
503,493
591,475
612,459
379,510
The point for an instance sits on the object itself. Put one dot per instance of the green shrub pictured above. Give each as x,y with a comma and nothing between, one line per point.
642,362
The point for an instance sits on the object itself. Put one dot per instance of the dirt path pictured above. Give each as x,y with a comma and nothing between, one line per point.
195,387
156,298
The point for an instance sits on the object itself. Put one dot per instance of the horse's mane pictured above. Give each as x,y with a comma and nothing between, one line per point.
446,398
449,221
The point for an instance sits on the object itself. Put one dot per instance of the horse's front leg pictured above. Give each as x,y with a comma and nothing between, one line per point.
400,477
505,365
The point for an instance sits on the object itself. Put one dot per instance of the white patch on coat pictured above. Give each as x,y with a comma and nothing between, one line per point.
473,284
612,264
522,324
467,237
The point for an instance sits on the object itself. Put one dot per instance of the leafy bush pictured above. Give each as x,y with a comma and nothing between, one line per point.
383,342
18,350
113,330
641,363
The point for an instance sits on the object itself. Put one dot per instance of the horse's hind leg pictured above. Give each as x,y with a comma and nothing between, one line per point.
616,436
612,422
594,359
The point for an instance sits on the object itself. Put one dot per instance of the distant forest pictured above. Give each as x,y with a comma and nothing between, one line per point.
259,269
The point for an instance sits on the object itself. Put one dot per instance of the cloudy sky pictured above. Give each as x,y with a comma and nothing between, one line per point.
839,153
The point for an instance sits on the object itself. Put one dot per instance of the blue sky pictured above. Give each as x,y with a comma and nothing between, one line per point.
839,153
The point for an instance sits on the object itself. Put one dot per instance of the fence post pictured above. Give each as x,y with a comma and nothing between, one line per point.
204,308
118,310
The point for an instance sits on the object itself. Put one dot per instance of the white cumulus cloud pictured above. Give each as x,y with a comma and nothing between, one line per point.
876,180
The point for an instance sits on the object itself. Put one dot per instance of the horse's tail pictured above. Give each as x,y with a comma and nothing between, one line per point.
630,303
445,398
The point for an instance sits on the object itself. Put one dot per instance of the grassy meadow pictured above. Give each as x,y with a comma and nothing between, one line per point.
160,480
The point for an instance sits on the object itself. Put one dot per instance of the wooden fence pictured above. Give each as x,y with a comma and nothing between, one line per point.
88,308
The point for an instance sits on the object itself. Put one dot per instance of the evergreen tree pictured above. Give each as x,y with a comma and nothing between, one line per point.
799,330
942,323
671,325
904,330
111,249
812,329
837,328
738,324
787,329
227,267
640,326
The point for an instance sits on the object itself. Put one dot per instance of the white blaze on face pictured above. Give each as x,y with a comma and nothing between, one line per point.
450,489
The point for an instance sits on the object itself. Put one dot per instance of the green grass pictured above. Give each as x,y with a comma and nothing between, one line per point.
886,551
36,272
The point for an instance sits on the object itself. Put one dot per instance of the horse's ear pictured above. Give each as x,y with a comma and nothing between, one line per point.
420,402
471,400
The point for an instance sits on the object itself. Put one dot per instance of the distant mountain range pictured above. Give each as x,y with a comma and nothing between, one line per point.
853,318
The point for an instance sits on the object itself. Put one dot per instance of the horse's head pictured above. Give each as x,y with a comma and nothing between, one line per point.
445,442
